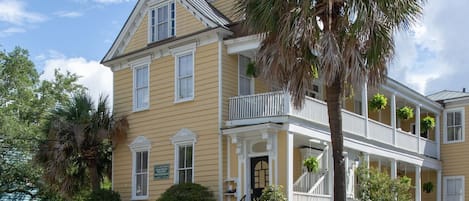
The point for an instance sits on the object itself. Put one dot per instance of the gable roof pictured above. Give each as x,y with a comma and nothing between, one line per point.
201,9
447,95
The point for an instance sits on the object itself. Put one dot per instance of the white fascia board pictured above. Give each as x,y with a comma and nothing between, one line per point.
245,129
241,44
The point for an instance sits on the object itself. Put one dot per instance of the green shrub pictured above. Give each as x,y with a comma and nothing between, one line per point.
187,191
378,102
273,193
405,113
103,194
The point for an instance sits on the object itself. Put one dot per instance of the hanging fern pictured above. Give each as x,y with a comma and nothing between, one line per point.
378,102
405,113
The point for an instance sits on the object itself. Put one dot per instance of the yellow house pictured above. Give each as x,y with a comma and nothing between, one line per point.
195,115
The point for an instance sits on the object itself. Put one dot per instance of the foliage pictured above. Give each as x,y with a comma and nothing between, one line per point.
251,69
273,193
427,187
103,194
405,113
187,191
349,42
311,164
427,123
376,185
378,102
25,101
77,152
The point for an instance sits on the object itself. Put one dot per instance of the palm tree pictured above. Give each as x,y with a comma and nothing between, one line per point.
77,151
347,42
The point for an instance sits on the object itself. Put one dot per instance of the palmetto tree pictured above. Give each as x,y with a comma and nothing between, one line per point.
77,151
347,42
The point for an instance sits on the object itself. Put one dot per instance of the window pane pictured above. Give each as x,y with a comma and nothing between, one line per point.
189,176
182,176
185,65
189,156
163,14
243,65
181,156
142,77
138,162
139,191
244,86
458,133
457,118
450,134
162,31
144,161
449,120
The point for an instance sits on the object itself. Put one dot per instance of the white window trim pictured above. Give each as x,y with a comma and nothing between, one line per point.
445,183
140,144
176,75
142,63
445,126
252,82
155,4
182,138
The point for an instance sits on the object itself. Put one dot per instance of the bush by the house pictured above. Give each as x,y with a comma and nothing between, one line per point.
273,193
187,191
103,194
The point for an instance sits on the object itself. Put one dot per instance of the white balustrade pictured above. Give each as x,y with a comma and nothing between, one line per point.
380,132
406,141
297,196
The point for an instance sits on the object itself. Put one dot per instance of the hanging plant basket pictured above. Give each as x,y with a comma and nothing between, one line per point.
311,164
427,187
378,102
427,123
251,69
405,113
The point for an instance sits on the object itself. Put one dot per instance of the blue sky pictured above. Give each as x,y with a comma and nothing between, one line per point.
74,35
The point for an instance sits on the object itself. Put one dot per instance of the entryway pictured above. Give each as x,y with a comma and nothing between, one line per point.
259,175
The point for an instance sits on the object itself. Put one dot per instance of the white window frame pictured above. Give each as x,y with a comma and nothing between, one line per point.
143,63
171,22
445,126
184,137
140,144
177,99
251,79
445,185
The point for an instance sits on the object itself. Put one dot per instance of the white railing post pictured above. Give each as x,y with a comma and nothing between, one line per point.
417,127
437,136
393,118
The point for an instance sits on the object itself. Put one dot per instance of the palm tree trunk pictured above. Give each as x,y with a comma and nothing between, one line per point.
92,168
334,100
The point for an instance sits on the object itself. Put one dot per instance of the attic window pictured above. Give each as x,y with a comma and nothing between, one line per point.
162,21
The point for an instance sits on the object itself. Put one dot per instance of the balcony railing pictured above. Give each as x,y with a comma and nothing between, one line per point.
277,104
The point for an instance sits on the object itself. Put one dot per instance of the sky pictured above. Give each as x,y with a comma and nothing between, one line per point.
74,35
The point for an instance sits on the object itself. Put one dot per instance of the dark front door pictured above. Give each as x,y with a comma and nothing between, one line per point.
259,175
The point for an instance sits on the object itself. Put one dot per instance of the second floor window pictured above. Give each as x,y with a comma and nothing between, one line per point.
141,83
185,76
246,82
454,131
162,21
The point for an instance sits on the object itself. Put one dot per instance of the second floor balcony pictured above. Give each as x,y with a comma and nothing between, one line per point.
277,107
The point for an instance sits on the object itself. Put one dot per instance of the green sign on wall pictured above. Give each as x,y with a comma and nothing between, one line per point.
161,172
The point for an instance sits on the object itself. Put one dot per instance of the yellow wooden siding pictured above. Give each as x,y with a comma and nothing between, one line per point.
186,23
227,7
260,86
165,118
140,38
230,79
282,156
454,155
297,164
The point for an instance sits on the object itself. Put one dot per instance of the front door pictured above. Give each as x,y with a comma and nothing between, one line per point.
259,175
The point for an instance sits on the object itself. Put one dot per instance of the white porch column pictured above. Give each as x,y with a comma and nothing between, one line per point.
437,136
366,157
418,184
289,166
417,126
393,168
330,171
393,118
438,185
365,106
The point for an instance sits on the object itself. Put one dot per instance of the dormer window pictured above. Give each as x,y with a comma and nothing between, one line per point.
161,21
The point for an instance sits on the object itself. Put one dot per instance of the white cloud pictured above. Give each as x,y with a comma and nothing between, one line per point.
10,31
14,12
68,14
94,76
110,1
434,56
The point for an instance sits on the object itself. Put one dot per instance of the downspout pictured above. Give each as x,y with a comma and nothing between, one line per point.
220,118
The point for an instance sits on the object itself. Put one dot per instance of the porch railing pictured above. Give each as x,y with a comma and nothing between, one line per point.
277,104
297,196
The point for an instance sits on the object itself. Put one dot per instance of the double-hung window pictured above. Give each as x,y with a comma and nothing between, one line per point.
454,131
141,88
184,76
162,21
140,148
453,188
185,164
246,82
